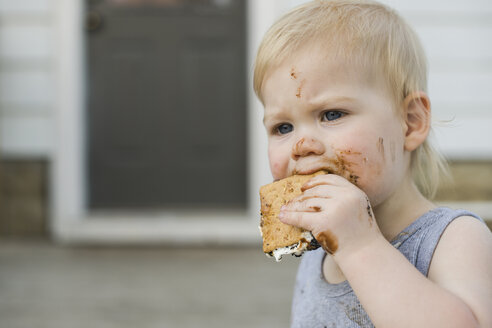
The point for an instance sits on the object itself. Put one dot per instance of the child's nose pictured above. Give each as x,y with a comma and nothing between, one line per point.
306,147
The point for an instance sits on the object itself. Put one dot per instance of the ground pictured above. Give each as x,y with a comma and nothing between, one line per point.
44,285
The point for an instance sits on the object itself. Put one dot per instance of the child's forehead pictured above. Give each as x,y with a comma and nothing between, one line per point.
326,56
311,64
312,77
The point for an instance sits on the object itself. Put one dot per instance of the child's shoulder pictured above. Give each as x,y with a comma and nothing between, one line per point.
466,239
463,235
462,262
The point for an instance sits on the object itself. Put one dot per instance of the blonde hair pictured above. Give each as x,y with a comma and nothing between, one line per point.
367,34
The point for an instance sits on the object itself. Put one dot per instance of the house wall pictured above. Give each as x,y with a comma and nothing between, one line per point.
23,198
27,106
27,78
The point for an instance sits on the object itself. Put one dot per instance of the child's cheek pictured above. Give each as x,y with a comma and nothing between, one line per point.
276,169
362,161
377,170
278,164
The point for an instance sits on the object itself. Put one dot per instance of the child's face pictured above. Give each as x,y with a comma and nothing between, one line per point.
321,113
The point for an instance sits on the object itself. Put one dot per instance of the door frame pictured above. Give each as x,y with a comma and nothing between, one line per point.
71,220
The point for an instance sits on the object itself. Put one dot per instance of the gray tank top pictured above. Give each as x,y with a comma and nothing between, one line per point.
319,304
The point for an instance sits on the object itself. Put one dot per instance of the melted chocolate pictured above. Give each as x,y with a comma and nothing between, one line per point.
342,167
293,73
328,241
381,146
299,89
369,211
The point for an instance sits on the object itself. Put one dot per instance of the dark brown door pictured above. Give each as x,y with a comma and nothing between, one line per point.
166,109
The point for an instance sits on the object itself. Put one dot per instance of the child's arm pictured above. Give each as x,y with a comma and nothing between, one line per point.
458,292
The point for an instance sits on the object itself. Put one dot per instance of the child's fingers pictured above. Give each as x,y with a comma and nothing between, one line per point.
308,204
298,219
304,197
322,191
325,179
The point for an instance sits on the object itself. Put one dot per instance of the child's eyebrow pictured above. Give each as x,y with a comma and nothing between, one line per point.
268,117
322,100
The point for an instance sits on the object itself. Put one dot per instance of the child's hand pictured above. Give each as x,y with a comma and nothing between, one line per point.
337,213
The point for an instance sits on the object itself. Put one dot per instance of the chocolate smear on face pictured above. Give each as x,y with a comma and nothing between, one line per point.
369,211
293,73
338,165
299,89
381,146
328,241
297,147
349,152
342,167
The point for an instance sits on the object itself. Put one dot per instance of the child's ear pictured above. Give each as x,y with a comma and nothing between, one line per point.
417,119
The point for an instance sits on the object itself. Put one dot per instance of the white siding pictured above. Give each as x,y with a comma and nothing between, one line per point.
25,6
26,88
463,43
27,77
441,6
26,42
23,136
457,37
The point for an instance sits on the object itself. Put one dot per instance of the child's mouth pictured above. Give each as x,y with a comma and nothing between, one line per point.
338,165
313,170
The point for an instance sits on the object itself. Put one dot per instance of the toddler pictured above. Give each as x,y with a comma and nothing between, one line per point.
343,84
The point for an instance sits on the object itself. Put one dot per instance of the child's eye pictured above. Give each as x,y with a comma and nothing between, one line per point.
332,115
284,128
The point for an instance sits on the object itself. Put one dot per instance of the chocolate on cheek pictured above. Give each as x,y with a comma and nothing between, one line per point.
361,167
381,147
328,241
343,164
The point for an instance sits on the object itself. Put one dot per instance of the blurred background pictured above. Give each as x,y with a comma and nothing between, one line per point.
132,151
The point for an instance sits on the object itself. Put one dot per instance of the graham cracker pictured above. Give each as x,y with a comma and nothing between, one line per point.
275,233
